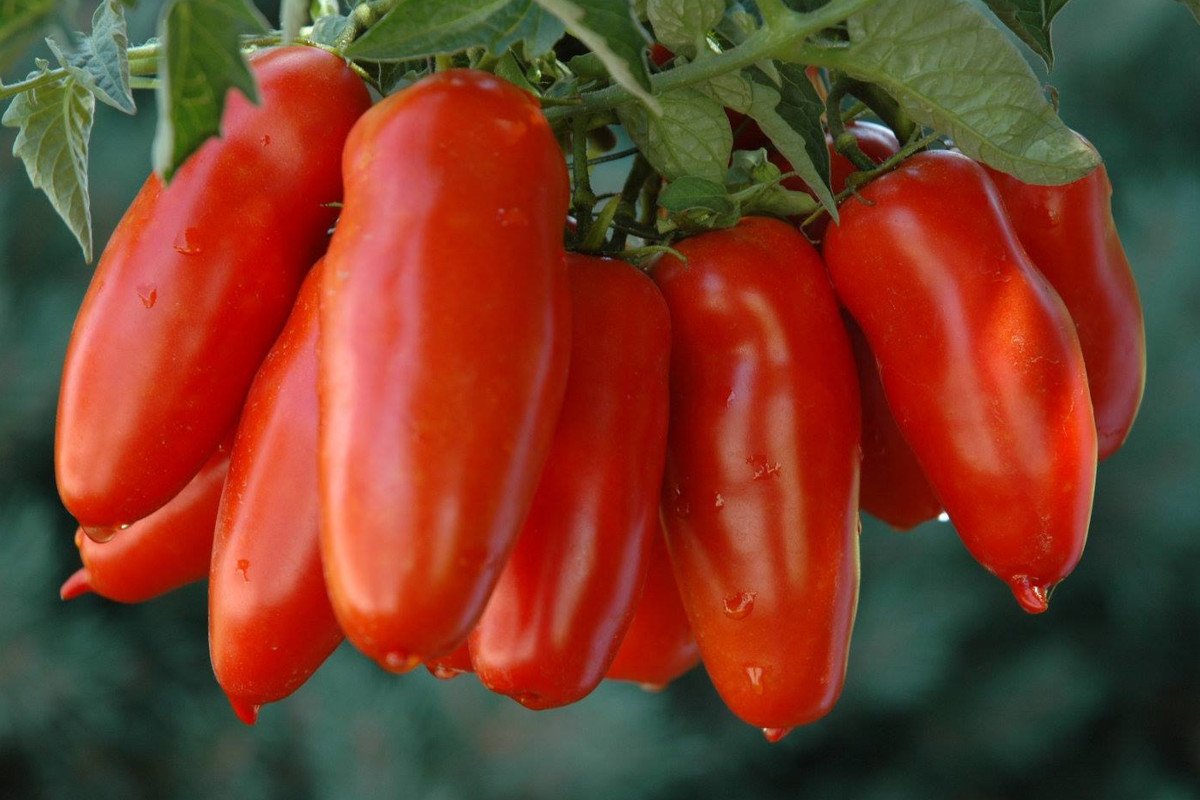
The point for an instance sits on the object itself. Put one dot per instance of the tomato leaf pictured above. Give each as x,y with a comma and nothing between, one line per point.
292,16
690,137
328,29
20,23
99,61
790,115
732,90
202,60
55,125
611,30
681,25
417,30
950,68
1030,20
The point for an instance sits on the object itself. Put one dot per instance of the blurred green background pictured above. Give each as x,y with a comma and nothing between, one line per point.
952,691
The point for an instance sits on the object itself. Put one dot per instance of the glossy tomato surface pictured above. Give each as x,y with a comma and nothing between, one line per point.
760,497
444,348
194,286
980,364
567,594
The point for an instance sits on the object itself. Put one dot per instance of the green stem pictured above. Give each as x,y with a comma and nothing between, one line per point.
884,106
627,209
787,30
844,142
582,198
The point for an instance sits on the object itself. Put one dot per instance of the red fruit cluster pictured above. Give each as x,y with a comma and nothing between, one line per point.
464,444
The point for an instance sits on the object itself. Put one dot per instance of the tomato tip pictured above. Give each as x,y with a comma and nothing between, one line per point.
76,585
247,712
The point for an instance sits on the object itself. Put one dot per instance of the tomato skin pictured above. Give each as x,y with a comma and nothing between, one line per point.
568,592
658,646
160,553
193,287
979,361
1069,233
451,666
444,352
894,487
270,622
760,497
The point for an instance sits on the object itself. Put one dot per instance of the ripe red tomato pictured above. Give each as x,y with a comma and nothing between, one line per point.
760,497
567,594
444,346
193,287
658,646
979,361
160,553
269,619
1069,233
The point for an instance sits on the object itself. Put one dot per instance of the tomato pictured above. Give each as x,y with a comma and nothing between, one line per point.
979,361
444,347
451,666
894,488
270,622
760,497
1069,233
567,594
658,646
193,287
160,553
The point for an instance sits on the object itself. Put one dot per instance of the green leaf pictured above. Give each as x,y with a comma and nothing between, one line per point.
681,25
202,60
292,16
1030,20
99,61
950,68
1194,7
732,90
328,29
610,29
790,116
20,23
55,124
691,136
421,29
690,192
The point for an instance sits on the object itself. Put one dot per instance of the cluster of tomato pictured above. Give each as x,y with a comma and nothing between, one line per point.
461,448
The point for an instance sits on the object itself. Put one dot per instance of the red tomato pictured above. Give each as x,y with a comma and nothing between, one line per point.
761,489
270,622
567,594
1069,233
658,646
444,346
193,288
979,361
451,666
894,488
160,553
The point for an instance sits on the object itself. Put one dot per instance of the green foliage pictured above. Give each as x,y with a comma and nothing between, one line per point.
416,30
20,23
681,25
1030,20
691,135
203,60
612,32
292,16
99,61
55,123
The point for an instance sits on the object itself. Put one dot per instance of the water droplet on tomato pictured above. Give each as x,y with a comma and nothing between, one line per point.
246,712
100,533
1033,596
681,505
148,294
243,567
943,517
773,735
398,662
186,242
266,140
718,501
443,672
755,674
763,467
79,538
739,604
514,217
652,687
530,700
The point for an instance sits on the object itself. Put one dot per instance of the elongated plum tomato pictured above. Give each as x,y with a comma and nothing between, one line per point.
658,646
979,361
760,497
445,336
270,622
193,288
160,553
567,594
1069,233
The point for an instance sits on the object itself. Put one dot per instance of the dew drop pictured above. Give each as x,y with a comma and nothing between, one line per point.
266,140
443,672
243,567
101,534
186,243
718,501
79,538
943,517
763,467
398,662
530,700
514,217
729,399
773,735
739,604
148,294
755,674
681,505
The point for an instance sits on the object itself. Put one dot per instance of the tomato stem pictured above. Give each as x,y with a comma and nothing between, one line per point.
845,142
582,198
